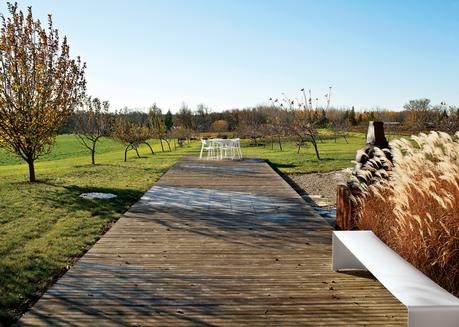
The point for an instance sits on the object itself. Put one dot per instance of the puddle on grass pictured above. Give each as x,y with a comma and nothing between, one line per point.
97,195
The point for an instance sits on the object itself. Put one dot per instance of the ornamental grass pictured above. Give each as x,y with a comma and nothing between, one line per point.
415,208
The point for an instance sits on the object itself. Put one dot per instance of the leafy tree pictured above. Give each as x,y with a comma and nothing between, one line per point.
40,85
168,121
371,116
182,134
92,123
131,134
219,126
158,126
232,118
419,114
202,119
352,118
184,117
323,121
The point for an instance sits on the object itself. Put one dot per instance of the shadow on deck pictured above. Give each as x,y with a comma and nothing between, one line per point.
212,244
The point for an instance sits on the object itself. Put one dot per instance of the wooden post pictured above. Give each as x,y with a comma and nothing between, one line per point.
343,208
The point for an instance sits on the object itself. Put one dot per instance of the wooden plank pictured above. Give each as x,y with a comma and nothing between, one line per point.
215,243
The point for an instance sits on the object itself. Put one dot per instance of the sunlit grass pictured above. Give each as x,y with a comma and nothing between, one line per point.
334,155
43,226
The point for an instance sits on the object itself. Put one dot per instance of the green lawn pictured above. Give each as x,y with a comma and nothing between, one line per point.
333,155
44,226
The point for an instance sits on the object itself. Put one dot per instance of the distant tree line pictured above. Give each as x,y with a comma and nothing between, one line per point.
284,119
418,115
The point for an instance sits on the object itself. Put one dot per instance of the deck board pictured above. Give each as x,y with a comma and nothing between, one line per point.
215,244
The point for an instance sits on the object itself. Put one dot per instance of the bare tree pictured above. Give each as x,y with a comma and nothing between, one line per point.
40,85
304,127
340,128
92,123
450,121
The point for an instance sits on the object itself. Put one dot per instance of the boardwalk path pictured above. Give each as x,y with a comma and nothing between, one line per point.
211,244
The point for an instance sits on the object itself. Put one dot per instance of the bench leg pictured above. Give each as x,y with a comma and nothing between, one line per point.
343,258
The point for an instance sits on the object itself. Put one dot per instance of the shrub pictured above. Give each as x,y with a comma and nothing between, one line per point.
415,211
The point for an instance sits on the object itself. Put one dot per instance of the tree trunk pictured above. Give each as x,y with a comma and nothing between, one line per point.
280,143
272,142
161,141
313,141
31,171
137,151
168,145
299,146
125,153
93,154
151,149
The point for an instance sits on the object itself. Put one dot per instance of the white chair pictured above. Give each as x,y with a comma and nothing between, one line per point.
234,148
237,146
226,148
207,145
217,144
230,148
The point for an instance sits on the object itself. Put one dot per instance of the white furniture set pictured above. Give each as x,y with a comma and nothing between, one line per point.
221,148
428,304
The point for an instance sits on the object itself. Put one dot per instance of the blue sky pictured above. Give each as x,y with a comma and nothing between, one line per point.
230,54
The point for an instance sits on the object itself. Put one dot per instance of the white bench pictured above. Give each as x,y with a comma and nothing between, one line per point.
428,304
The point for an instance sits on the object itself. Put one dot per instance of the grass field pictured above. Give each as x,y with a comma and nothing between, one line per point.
333,155
45,226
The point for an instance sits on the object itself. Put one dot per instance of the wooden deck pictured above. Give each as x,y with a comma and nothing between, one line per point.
215,244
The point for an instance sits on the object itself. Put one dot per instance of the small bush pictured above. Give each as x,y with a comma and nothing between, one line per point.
415,211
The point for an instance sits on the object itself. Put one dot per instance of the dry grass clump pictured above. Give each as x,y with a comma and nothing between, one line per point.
416,210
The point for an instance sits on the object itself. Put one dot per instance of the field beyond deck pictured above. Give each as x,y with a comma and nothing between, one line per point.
212,244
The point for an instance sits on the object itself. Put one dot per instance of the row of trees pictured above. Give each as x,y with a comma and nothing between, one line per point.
418,115
286,119
93,121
